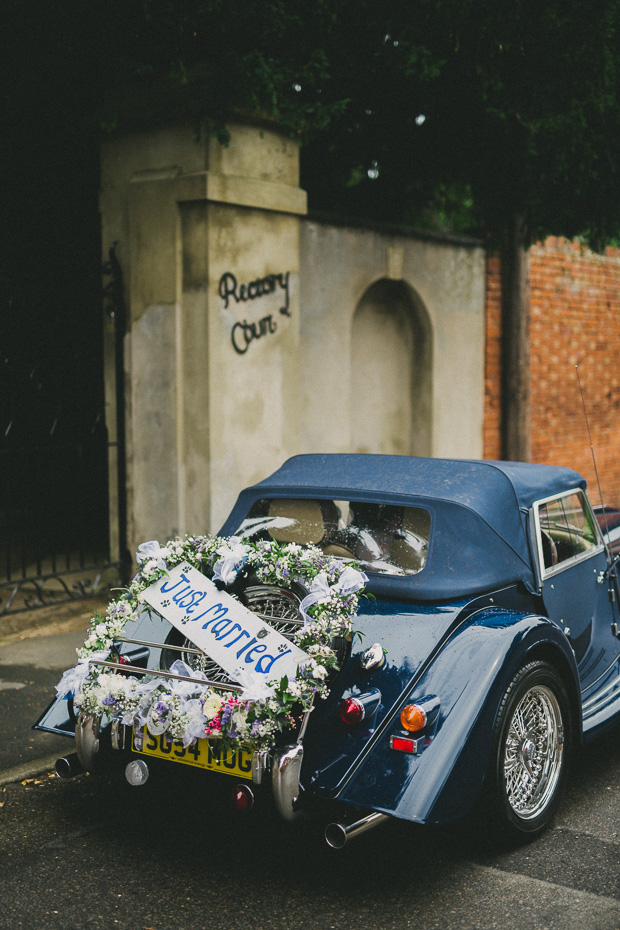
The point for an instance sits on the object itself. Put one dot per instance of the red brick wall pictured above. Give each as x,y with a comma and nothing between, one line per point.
492,443
575,320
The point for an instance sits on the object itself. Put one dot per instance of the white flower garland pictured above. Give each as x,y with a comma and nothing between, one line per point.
190,710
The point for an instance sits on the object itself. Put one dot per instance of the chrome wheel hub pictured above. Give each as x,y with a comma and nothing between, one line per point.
528,754
533,752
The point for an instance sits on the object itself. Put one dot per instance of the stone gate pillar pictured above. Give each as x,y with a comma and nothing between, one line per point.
208,240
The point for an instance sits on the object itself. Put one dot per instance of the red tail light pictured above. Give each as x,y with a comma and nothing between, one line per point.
352,711
404,745
243,798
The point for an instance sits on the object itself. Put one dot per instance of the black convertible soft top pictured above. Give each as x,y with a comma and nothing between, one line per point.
479,532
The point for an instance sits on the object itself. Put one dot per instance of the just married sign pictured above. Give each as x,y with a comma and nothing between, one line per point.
233,636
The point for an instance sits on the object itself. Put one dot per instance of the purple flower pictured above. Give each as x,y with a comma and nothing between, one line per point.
227,714
109,701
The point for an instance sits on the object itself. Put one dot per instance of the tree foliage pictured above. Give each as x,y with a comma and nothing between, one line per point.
466,112
510,106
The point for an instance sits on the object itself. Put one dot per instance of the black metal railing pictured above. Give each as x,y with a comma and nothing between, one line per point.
54,539
54,506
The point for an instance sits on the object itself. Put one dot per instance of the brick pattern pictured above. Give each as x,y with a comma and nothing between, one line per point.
574,321
492,442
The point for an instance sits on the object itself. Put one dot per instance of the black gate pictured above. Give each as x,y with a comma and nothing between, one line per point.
53,446
54,523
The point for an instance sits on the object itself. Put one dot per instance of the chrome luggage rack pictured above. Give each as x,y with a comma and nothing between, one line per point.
285,625
159,673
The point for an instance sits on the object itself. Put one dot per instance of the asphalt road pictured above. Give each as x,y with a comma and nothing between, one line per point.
29,670
94,853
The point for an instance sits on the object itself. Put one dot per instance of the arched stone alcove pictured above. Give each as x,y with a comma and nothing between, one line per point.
391,371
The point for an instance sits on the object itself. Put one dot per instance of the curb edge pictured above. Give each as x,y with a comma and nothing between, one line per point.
28,770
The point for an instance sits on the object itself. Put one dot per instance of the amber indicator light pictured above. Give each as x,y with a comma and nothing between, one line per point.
413,718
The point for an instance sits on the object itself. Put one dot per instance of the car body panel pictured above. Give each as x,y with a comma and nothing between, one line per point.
445,779
580,603
58,717
410,638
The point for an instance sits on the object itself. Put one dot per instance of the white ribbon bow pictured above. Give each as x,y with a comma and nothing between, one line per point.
151,550
195,726
253,689
73,679
350,581
185,688
233,554
145,689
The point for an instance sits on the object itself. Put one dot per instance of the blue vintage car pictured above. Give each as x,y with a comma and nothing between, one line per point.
481,648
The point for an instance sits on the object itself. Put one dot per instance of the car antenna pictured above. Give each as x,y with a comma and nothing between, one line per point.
598,482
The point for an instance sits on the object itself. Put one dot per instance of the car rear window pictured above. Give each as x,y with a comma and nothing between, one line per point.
381,537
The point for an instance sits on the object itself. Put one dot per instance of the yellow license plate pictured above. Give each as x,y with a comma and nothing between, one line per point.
206,754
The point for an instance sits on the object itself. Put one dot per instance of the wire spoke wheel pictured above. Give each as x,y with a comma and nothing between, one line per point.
533,752
531,746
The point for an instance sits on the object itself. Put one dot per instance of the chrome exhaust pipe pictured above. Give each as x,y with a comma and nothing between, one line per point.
68,766
337,834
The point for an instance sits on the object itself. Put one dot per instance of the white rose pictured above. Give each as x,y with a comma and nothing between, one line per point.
238,720
211,706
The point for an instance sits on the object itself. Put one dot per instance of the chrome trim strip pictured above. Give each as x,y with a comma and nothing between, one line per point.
596,549
304,724
157,674
595,697
144,642
600,696
267,619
